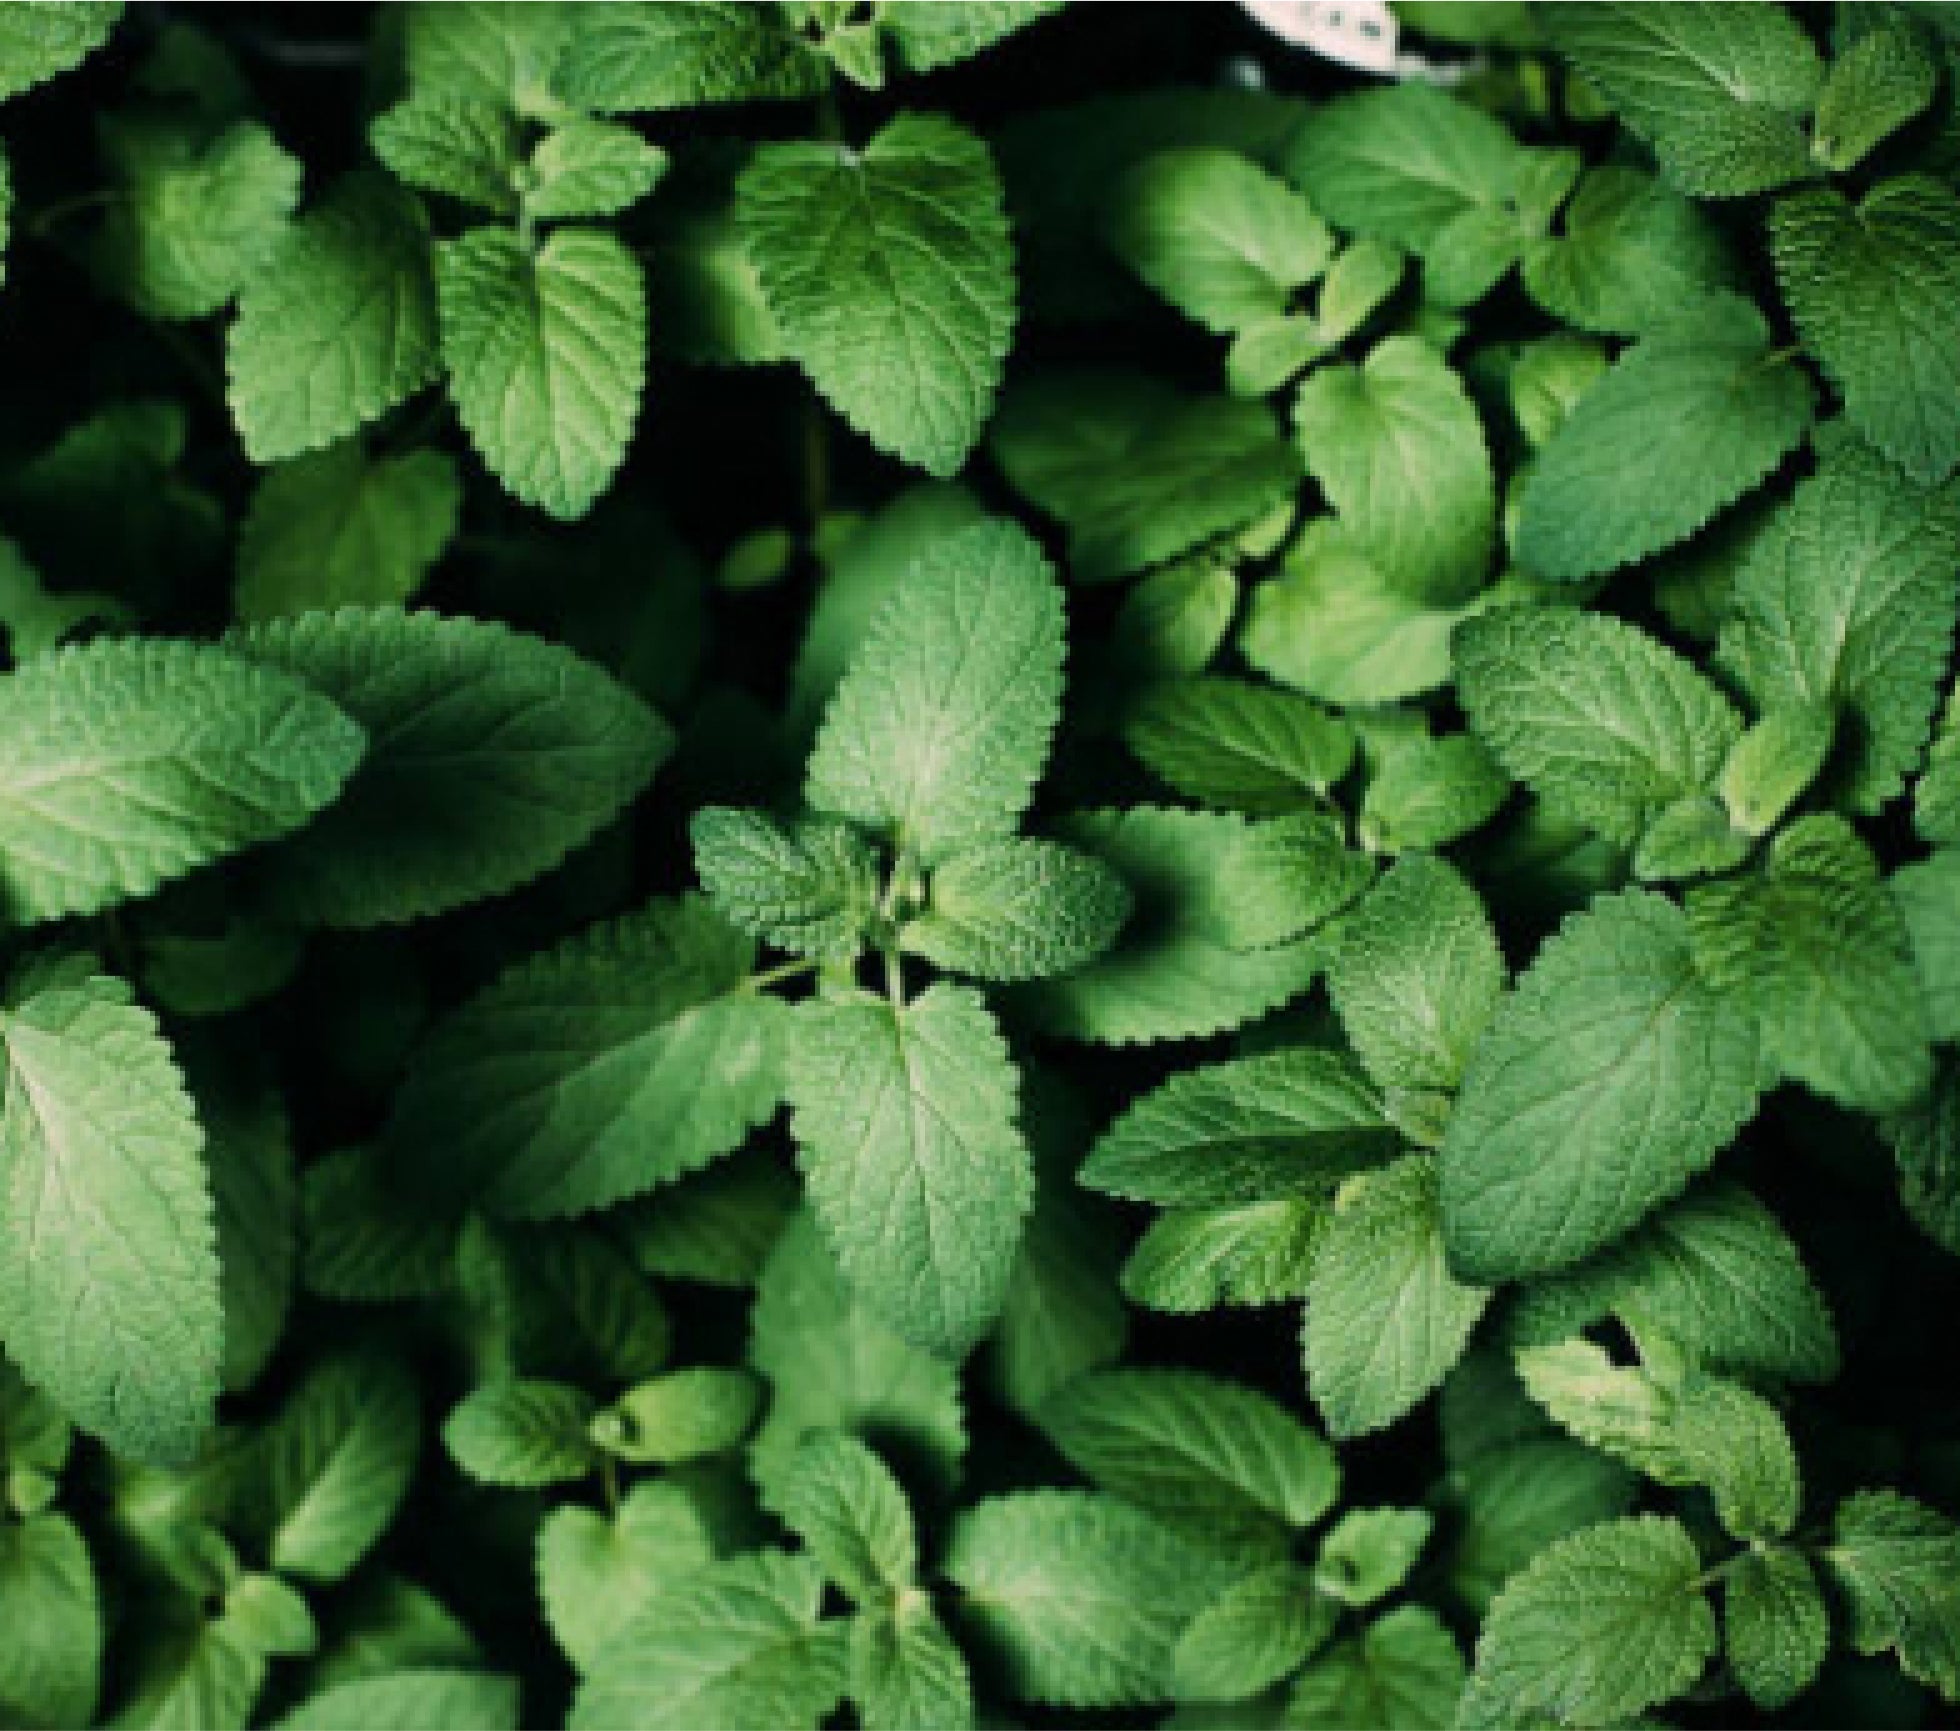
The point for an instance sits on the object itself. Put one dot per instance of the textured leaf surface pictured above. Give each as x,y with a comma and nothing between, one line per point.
1231,743
597,1574
1895,1562
891,274
520,1433
412,1700
41,41
1776,1627
109,1282
665,54
490,757
1609,1077
1017,909
1402,1673
842,1501
48,1668
905,1117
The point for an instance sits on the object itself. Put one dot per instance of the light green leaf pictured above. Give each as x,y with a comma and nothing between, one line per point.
597,1573
1896,1561
835,1365
682,54
1016,909
520,1433
1077,1598
51,1659
1777,1630
1283,878
1689,419
1416,975
1596,717
1282,1124
905,1672
1173,620
491,756
891,274
1194,1259
1600,1627
198,215
1213,1456
546,353
1386,1320
1846,601
1426,793
1368,1553
905,1119
1231,743
686,1415
1882,80
1402,1673
338,326
1180,968
1256,1632
810,887
417,1699
1609,1078
589,168
1218,237
500,52
338,528
1719,92
1137,471
130,763
627,1056
109,1278
1397,447
463,148
1629,254
1872,286
842,1501
42,40
1772,764
336,1463
940,726
1820,953
923,38
741,1643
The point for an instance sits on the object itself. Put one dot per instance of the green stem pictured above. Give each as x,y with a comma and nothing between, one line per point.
609,1483
764,978
62,209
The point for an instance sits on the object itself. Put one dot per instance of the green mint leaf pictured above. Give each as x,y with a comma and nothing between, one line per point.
1137,471
1218,237
335,1464
1775,1627
1720,94
522,1433
627,1056
198,217
1015,909
1926,1143
1282,879
362,1240
597,1573
1772,764
1401,1673
905,1118
1893,1559
1647,1070
1282,1124
940,726
1397,447
1630,252
130,763
835,1365
49,1670
42,40
590,168
1512,1501
1604,723
1369,1552
339,528
500,54
810,887
1600,1627
1231,743
686,1415
715,1227
1180,969
434,819
1880,82
464,149
337,327
841,1500
109,1278
1214,1457
1846,600
679,54
1386,1320
546,353
416,1699
905,1672
255,1196
1193,1259
891,274
1258,1631
1819,952
1078,1599
925,38
1416,975
740,1643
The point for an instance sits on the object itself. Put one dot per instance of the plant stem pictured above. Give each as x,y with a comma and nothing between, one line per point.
762,980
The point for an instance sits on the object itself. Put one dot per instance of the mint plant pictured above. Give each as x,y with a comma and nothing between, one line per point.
911,865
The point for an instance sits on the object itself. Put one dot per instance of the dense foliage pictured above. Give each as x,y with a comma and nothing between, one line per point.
921,864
